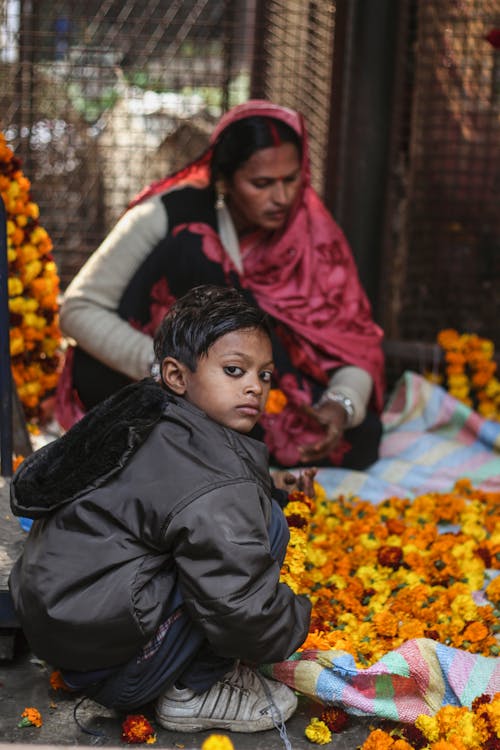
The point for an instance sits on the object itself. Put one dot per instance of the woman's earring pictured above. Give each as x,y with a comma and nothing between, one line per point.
220,202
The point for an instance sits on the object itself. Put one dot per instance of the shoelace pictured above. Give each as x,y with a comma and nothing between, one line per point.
275,712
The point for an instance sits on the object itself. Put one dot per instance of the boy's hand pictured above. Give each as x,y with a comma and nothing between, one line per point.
304,482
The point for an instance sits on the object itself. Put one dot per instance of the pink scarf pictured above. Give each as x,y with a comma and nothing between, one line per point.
304,275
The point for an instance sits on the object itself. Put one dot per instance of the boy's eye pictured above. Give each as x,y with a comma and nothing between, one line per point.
233,370
266,376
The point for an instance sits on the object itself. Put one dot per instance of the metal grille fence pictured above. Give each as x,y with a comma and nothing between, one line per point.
293,66
100,98
442,263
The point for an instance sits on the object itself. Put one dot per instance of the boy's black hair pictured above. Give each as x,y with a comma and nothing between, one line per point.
200,317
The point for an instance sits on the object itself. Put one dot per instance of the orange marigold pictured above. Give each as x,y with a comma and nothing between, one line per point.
31,717
276,401
57,682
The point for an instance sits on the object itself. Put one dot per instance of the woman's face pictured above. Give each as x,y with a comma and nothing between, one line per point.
261,192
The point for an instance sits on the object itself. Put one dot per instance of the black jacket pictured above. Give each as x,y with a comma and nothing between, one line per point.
146,491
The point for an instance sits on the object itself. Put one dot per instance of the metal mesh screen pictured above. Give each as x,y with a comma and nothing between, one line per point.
99,98
443,268
297,50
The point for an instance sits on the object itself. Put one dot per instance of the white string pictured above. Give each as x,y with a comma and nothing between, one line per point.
278,723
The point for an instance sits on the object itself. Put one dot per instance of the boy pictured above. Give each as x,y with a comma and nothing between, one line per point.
153,566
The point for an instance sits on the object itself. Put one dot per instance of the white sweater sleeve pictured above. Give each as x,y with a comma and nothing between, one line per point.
89,312
356,384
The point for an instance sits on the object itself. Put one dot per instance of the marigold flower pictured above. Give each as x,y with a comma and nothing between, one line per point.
317,731
217,742
336,719
30,717
57,682
390,556
136,729
429,727
276,401
378,740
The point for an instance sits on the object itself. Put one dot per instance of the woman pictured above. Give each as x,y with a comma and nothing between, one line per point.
244,214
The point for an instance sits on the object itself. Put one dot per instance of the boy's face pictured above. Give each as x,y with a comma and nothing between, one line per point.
231,383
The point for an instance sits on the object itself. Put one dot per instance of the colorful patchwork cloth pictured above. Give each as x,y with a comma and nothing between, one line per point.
430,440
418,678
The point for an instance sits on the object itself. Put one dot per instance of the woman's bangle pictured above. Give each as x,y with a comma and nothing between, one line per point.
338,398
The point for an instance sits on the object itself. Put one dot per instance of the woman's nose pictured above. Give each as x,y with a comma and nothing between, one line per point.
279,192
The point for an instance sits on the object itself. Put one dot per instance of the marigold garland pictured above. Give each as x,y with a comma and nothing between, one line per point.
136,729
33,287
470,371
31,717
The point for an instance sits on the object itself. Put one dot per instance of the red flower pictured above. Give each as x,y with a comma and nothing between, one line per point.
296,521
493,37
390,556
137,729
336,719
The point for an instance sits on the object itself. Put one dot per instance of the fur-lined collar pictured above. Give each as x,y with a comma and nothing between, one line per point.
91,452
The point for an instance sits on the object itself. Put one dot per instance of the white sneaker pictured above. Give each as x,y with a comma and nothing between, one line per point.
242,701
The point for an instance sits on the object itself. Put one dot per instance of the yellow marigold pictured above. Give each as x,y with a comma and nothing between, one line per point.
217,742
429,727
493,590
30,717
317,731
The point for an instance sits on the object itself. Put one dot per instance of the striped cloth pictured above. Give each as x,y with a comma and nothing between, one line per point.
430,440
418,678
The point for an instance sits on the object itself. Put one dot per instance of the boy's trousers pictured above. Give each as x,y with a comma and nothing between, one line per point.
178,653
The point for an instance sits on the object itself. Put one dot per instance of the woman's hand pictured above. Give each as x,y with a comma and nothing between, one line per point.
304,482
333,418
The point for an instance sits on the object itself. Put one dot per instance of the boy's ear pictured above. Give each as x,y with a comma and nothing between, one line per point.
174,375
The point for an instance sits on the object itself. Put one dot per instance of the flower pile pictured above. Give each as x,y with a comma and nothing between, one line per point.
379,575
470,371
33,287
452,728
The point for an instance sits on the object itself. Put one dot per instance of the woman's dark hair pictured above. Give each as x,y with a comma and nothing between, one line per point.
196,320
240,140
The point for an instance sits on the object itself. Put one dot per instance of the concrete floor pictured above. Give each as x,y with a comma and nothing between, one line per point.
24,681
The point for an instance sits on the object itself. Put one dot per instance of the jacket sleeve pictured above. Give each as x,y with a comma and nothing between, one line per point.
89,312
230,580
